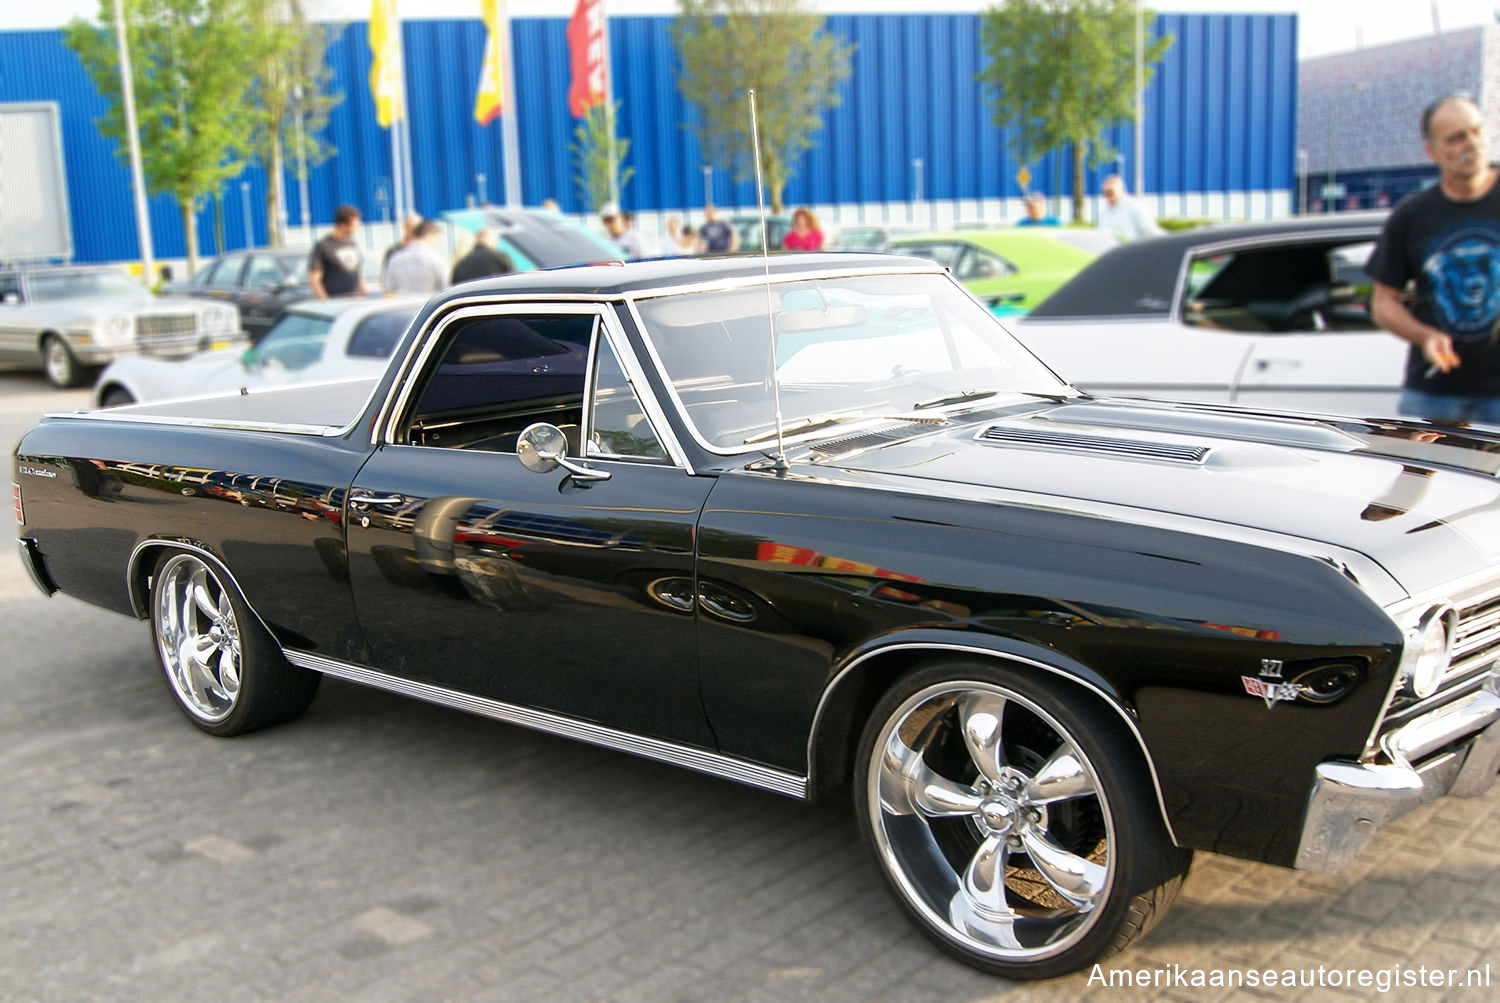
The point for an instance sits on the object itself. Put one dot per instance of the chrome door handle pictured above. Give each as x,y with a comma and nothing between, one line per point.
364,501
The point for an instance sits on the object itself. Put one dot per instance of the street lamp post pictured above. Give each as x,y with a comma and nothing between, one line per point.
708,185
306,219
917,186
1302,182
249,216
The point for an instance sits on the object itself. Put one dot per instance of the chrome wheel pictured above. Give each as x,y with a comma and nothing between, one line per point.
198,638
990,821
58,362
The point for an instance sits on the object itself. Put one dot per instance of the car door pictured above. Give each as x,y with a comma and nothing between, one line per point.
17,333
256,295
541,591
223,283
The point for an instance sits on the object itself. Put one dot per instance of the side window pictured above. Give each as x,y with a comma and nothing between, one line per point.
227,272
10,289
494,375
1283,289
262,273
943,254
618,425
975,263
376,335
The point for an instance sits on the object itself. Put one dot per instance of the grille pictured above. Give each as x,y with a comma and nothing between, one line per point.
1476,645
165,325
1096,444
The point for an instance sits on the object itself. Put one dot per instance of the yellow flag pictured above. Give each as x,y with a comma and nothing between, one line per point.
491,100
386,84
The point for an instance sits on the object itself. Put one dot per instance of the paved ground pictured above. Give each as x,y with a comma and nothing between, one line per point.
382,849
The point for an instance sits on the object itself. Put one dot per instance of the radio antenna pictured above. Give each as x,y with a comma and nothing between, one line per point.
765,256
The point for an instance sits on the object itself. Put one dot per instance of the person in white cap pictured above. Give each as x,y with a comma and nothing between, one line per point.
617,225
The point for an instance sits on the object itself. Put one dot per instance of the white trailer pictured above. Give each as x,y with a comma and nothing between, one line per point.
34,222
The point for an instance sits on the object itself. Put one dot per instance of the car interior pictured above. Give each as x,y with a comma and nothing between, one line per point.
1315,286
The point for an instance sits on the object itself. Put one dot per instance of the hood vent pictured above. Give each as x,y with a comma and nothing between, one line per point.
1095,444
869,440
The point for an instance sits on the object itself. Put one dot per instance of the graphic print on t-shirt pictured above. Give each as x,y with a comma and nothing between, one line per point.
1462,269
348,257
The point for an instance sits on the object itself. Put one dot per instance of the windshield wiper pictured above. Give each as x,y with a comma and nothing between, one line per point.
804,425
963,396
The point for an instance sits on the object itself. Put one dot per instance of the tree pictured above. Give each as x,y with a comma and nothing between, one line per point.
291,75
728,47
191,79
1063,72
599,156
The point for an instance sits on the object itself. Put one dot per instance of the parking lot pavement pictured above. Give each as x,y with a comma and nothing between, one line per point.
382,849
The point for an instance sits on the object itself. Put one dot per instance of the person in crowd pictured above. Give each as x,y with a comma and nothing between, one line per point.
1036,212
483,259
408,227
620,227
1122,215
335,266
805,234
717,236
550,205
417,267
1445,241
680,233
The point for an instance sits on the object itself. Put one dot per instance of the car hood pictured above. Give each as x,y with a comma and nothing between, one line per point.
1419,502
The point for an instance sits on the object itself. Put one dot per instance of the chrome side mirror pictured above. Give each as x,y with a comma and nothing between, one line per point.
543,448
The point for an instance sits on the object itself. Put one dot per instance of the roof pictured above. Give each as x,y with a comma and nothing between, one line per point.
1140,278
620,279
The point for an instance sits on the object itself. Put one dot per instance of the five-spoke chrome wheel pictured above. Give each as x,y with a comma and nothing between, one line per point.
198,638
999,817
224,668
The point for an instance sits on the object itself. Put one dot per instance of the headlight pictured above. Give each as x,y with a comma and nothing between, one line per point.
215,320
116,330
1428,650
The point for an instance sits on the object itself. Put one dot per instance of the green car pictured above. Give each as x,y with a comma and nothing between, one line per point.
1012,268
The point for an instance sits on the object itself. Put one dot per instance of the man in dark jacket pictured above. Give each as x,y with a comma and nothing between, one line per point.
483,260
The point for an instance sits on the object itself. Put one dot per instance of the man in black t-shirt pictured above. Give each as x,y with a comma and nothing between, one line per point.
717,236
1446,240
335,267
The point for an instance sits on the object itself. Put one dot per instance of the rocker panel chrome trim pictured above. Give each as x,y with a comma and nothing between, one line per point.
699,760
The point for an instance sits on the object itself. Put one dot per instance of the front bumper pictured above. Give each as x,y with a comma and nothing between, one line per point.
1454,749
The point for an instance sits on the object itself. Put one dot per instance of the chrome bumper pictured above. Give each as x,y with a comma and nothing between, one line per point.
1452,750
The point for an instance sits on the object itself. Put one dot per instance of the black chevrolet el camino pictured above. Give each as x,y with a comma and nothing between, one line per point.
822,521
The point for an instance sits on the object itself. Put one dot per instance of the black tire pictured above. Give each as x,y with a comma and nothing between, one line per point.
116,396
1064,806
221,665
60,364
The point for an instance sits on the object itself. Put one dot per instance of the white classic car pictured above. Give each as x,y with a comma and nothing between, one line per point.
68,321
1271,315
315,341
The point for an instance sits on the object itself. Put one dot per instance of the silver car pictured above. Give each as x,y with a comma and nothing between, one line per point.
68,321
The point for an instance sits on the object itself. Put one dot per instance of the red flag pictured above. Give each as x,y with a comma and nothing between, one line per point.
590,57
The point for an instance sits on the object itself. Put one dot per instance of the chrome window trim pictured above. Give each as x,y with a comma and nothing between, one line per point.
631,304
1356,235
385,430
699,760
991,653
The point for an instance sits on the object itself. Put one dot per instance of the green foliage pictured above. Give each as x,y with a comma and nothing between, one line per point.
1062,72
599,157
291,73
728,47
191,75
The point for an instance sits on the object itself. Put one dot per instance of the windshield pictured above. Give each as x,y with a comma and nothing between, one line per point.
71,285
865,347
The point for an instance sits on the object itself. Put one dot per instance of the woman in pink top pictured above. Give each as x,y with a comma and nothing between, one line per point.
804,234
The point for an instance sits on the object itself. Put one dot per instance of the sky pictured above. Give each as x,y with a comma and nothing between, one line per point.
1324,26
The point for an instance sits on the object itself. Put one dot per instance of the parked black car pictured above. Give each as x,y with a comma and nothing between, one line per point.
820,522
262,283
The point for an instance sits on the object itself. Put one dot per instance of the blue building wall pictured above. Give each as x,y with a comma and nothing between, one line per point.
1220,114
